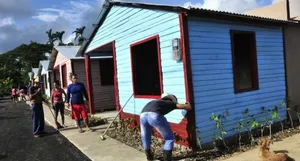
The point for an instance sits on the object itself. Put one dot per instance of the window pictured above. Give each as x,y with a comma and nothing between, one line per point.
244,61
106,72
64,76
46,82
146,70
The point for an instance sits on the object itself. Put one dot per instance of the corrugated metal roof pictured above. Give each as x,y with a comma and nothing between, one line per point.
189,10
35,71
242,15
92,57
68,51
44,64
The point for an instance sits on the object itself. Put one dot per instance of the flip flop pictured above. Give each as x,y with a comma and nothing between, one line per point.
80,131
91,130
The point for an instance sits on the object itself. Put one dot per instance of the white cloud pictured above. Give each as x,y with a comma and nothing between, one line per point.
238,6
47,17
6,21
70,11
74,12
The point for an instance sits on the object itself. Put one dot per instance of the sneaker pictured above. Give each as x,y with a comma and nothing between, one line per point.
36,136
80,131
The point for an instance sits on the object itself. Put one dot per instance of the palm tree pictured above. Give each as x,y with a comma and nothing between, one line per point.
51,37
79,35
79,32
59,36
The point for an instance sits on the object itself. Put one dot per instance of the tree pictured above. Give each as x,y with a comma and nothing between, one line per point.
6,84
59,36
18,62
51,37
79,34
70,44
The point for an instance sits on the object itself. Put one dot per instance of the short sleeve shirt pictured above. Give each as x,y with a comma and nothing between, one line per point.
37,98
162,107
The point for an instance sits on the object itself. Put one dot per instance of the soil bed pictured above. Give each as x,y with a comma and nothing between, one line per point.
131,137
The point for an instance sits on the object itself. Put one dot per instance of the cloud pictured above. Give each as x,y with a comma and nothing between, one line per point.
78,13
6,21
16,8
46,17
12,36
238,6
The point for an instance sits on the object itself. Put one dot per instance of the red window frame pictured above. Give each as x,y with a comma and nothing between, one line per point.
156,37
64,75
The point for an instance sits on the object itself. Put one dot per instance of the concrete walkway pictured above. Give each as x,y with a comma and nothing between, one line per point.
112,150
91,144
290,145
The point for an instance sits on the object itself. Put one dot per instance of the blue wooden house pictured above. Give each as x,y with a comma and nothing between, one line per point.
216,60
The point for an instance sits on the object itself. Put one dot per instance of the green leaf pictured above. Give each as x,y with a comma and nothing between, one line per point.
254,124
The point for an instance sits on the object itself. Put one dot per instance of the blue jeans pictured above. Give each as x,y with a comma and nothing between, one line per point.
38,118
149,120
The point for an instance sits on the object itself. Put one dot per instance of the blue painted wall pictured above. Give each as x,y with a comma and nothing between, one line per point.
129,25
211,60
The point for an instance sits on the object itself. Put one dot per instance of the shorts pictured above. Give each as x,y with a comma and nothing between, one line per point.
77,110
59,107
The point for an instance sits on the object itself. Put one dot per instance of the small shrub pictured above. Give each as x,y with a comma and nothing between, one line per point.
96,121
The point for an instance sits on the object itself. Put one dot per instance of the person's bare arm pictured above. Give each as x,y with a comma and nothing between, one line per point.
31,96
186,106
63,91
51,97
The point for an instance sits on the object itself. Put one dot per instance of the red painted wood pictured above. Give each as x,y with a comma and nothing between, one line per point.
159,65
89,83
146,96
190,122
116,87
64,75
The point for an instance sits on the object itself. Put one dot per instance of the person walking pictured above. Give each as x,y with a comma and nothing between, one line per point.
36,101
22,95
152,116
56,98
14,94
77,90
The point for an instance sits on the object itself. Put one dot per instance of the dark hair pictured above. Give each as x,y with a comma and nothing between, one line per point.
57,82
73,75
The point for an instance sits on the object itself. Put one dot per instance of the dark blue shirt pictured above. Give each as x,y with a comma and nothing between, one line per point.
77,91
38,98
162,107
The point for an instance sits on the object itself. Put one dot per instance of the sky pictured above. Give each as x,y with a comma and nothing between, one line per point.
22,21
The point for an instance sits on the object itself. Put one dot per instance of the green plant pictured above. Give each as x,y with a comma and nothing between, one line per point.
219,125
96,121
298,113
250,124
267,122
239,128
276,116
284,104
199,138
